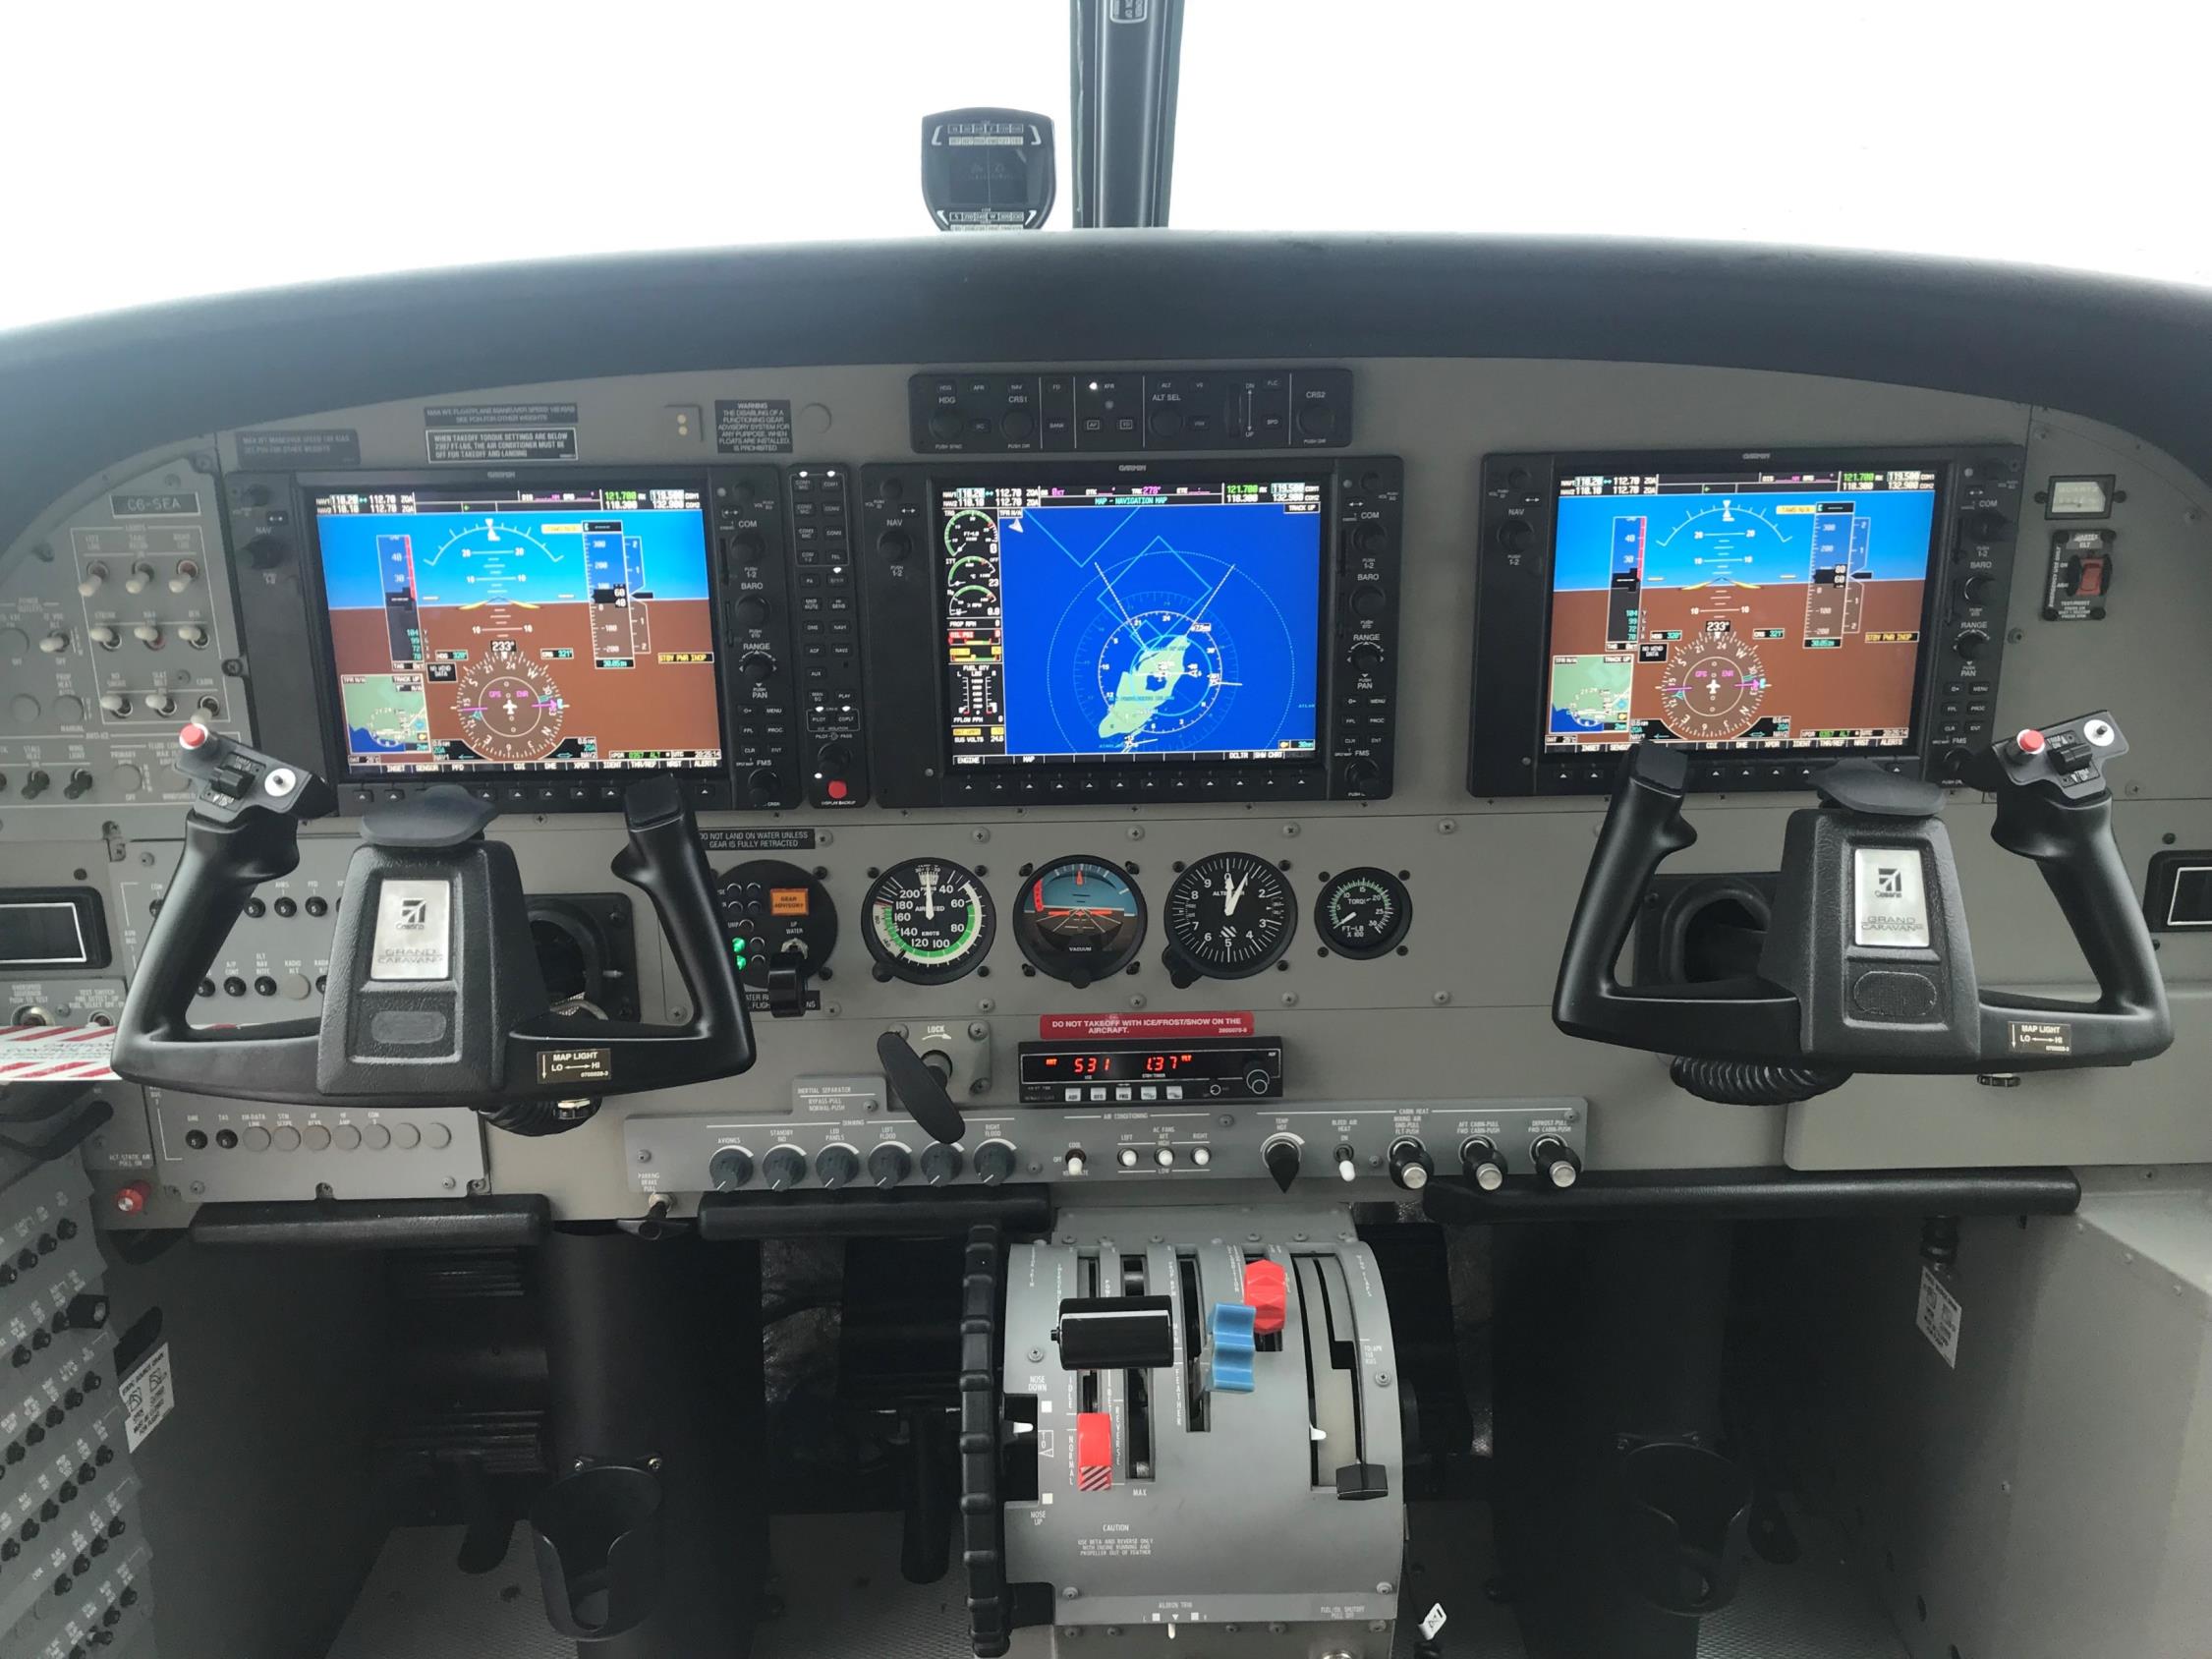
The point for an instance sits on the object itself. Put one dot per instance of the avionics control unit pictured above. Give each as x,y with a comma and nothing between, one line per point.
1772,610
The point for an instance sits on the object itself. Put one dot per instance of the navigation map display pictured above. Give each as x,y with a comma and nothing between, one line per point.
1763,609
1127,622
552,628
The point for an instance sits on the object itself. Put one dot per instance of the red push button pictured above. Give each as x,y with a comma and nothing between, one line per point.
1094,1450
1268,1295
194,735
2029,742
836,789
132,1197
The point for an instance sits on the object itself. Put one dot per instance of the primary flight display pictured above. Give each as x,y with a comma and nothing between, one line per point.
1739,611
482,629
1132,622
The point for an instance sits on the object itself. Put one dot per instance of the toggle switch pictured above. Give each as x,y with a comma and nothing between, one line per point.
139,579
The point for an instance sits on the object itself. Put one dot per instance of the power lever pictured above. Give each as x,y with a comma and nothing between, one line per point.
919,1088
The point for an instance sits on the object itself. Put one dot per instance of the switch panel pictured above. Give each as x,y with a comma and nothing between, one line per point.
233,1151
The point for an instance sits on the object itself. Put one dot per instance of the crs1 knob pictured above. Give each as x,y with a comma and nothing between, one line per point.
836,1166
1410,1164
995,1162
1556,1165
940,1164
1484,1164
888,1165
784,1169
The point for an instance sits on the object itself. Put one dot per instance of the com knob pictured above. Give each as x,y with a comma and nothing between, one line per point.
995,1162
730,1169
1282,1156
755,667
1984,524
1970,642
1556,1165
784,1169
1484,1164
1369,537
750,547
836,1166
940,1164
1410,1164
895,544
888,1165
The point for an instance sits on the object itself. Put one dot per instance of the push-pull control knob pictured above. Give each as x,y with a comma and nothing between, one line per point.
1410,1164
1282,1157
1484,1164
888,1165
835,1167
995,1162
784,1169
1556,1165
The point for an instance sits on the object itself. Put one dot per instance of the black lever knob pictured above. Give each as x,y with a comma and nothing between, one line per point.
919,1087
1556,1162
1484,1164
1410,1164
1282,1157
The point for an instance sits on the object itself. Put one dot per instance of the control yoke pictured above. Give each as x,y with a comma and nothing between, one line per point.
435,996
1866,966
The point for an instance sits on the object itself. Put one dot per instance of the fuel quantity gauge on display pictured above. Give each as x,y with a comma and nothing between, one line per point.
929,922
1079,919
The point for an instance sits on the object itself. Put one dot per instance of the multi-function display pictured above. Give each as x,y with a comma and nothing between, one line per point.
1760,609
1139,623
554,628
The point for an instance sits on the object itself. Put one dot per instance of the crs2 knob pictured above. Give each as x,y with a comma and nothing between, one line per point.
888,1165
1410,1164
784,1169
1556,1165
1484,1164
836,1166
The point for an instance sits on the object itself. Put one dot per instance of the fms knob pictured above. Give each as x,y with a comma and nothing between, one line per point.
836,1165
1556,1165
940,1164
995,1162
1410,1164
888,1165
1484,1164
1282,1157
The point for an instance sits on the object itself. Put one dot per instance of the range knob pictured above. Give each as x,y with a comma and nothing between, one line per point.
995,1162
139,579
783,1168
1365,654
752,611
940,1164
1410,1164
1556,1165
888,1165
1970,642
754,666
836,1166
729,1168
88,584
1484,1164
895,544
1516,534
1282,1156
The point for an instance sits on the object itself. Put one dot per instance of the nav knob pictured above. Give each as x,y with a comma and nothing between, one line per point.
729,1168
995,1162
1282,1157
1484,1165
895,544
1555,1162
1410,1164
1516,534
888,1165
784,1169
836,1165
941,1163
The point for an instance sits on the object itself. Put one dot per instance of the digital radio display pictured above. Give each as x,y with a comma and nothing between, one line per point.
561,628
1108,1073
1746,610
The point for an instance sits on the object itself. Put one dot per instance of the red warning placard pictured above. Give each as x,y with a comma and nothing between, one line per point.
1219,1023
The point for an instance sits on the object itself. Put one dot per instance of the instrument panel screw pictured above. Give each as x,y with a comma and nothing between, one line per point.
978,1031
1290,830
1383,1381
981,1086
197,1187
832,1010
1135,832
1384,1587
979,835
986,1005
1070,1593
1439,997
1447,825
1138,1000
1290,999
825,837
1036,1357
644,1154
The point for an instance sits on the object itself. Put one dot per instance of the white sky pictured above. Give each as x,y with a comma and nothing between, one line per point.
153,151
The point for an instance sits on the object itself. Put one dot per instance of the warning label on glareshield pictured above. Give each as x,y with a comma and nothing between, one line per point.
476,433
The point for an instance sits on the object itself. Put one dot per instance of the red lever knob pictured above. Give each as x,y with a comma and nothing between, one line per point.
132,1197
1268,1295
193,735
2029,741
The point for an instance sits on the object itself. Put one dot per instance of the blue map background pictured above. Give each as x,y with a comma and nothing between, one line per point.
1898,522
1071,577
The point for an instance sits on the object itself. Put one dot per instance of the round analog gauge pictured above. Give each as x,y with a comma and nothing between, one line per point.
776,916
1230,915
1363,912
929,922
510,708
1712,688
1079,919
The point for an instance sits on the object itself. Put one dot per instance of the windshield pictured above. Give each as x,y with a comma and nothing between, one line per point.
254,144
